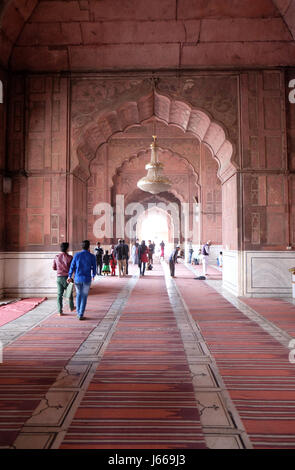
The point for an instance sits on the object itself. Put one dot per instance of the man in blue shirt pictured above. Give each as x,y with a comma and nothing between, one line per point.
84,266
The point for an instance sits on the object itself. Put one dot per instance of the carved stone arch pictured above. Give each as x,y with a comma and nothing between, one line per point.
175,112
169,218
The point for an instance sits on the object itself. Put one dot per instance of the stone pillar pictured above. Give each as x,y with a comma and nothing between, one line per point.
3,104
266,243
38,163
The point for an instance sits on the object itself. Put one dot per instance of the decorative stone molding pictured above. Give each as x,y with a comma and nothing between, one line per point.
104,124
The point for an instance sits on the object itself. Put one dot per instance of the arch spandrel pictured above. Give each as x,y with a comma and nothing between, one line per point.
171,112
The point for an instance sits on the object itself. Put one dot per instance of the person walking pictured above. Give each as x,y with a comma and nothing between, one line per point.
205,254
113,263
98,254
190,253
119,252
125,255
173,260
134,252
84,267
106,263
162,245
61,264
220,259
143,257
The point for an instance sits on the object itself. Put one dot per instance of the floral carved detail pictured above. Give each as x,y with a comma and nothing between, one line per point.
94,95
217,95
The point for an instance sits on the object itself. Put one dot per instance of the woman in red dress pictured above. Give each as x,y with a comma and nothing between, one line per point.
143,257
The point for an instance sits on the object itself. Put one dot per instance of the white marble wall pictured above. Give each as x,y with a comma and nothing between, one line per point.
29,274
251,274
266,273
231,272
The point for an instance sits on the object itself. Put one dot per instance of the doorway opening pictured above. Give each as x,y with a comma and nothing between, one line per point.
157,225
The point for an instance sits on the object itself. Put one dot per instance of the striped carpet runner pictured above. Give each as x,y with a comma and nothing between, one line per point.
141,396
32,362
278,311
253,365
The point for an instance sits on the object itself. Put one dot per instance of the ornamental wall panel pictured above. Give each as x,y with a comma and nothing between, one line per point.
264,152
3,104
37,147
290,113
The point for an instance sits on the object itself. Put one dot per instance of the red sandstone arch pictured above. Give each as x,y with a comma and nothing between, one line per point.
171,112
169,218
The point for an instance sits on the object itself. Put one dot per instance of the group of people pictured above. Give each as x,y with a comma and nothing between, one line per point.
141,255
108,261
84,265
202,256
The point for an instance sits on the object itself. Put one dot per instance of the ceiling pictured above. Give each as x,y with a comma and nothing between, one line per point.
102,35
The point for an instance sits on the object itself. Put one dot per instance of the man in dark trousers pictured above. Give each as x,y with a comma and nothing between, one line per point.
151,248
61,264
119,253
173,260
125,254
98,254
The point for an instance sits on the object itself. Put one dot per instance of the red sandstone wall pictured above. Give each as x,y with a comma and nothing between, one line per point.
264,161
46,208
211,200
77,215
2,157
80,35
38,162
230,234
290,112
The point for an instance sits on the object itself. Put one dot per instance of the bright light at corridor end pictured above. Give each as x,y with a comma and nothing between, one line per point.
154,227
154,182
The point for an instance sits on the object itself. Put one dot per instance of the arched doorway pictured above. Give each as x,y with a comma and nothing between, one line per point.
157,225
195,124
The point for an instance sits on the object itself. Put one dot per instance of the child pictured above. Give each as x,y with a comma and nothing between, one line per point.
113,264
106,264
220,259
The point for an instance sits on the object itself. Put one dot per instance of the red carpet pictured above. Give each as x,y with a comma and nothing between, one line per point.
141,395
278,311
254,366
32,363
14,310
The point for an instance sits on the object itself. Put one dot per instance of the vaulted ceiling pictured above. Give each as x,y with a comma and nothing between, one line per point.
93,35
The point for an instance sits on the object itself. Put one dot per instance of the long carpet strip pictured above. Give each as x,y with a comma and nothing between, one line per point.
278,311
254,366
141,395
33,361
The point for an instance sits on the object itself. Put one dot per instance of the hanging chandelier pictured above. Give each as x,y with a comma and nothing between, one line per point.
154,182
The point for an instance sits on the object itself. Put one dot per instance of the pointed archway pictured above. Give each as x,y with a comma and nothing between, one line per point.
104,124
197,123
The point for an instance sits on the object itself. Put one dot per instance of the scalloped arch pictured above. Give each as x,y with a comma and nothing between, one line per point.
172,112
